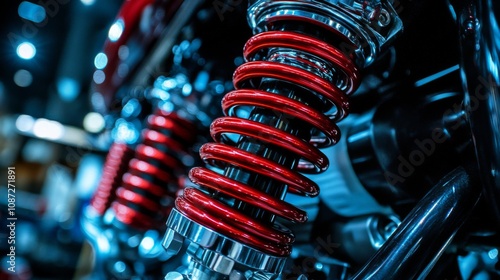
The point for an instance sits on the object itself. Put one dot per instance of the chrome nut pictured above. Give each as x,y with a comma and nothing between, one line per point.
172,242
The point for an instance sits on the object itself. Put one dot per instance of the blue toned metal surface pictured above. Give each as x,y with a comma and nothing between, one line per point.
480,43
422,237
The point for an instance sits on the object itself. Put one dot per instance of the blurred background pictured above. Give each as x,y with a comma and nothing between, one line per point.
47,55
47,51
56,128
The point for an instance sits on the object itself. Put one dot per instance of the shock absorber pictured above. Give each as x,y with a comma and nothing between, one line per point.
115,166
138,187
157,161
300,68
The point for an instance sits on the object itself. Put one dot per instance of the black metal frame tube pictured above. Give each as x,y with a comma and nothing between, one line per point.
424,234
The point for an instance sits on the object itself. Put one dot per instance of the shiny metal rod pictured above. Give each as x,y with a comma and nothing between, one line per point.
424,234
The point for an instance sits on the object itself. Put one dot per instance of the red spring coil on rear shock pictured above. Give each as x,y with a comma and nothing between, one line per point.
212,213
155,166
115,166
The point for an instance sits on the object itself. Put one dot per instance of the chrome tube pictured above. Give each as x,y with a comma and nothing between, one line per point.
424,234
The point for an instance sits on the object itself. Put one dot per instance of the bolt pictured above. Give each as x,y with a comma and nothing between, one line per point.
384,18
388,226
389,229
172,242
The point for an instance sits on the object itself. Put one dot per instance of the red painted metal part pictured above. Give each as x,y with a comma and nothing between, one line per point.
115,166
154,167
215,215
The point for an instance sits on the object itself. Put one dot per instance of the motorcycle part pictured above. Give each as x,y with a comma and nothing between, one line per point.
368,232
298,74
405,145
115,167
424,234
478,24
139,200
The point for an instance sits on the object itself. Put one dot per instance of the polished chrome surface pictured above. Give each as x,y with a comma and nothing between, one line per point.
367,232
206,247
370,27
424,234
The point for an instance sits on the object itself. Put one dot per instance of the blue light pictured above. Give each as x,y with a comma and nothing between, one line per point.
201,81
147,243
187,89
493,254
88,175
31,12
68,88
120,266
116,30
131,109
26,50
23,78
125,132
169,84
436,76
25,123
100,60
99,77
88,2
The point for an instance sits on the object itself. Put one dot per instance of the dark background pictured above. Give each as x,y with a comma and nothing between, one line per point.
66,43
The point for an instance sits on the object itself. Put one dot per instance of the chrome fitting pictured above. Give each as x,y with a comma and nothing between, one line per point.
369,25
216,252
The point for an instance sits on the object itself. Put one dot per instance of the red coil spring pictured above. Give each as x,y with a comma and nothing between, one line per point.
115,166
155,166
212,213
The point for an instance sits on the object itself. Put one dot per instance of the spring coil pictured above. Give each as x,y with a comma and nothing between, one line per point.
216,215
155,166
115,166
